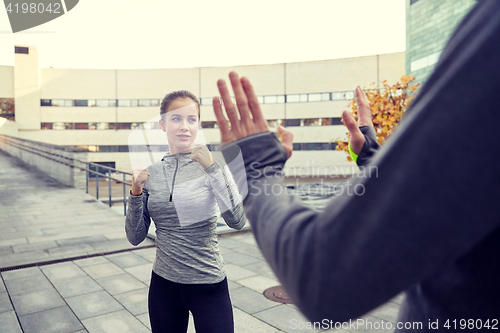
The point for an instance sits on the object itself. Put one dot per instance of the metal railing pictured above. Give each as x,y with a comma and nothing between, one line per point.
71,162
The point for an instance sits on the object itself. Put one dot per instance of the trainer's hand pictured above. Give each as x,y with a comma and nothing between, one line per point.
364,119
286,139
248,119
139,178
202,155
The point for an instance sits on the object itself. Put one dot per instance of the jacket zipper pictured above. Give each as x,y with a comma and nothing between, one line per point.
173,178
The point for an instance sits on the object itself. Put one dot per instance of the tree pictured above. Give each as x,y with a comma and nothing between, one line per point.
388,105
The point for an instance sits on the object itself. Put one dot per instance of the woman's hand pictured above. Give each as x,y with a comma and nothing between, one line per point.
364,119
250,120
139,178
202,155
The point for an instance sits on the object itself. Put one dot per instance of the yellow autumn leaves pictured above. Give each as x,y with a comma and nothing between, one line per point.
388,105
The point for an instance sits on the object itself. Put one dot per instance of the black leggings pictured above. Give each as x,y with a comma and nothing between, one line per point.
170,302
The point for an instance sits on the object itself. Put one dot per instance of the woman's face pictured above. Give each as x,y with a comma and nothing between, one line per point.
181,125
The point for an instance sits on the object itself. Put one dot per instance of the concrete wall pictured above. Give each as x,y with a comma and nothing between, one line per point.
33,154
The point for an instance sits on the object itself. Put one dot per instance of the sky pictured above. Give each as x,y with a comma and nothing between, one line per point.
126,34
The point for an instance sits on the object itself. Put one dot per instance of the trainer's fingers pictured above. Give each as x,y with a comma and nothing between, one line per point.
364,111
240,97
253,103
231,112
286,138
357,138
221,120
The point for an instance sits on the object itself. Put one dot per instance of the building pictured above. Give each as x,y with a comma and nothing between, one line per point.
429,24
98,109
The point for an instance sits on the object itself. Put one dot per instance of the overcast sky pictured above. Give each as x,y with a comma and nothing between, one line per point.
199,33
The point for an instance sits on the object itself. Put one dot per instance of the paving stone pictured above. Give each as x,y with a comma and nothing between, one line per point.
34,247
229,243
72,251
76,286
233,285
91,261
120,283
398,299
250,301
127,259
243,322
103,270
239,259
146,253
142,273
287,319
93,304
259,283
66,270
115,322
135,301
261,268
2,286
27,285
5,250
144,318
44,322
388,312
9,322
25,258
11,242
21,273
5,304
250,250
236,273
37,301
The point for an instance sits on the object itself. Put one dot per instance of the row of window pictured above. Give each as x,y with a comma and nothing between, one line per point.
204,124
211,147
271,99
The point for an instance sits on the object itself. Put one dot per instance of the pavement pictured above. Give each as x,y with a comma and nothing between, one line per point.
66,266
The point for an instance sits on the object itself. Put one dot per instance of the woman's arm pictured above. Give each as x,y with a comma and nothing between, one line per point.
138,220
223,187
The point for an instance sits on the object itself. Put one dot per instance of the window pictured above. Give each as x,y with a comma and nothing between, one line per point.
112,126
69,126
81,102
81,126
68,102
311,122
22,50
122,149
58,126
281,99
314,97
92,126
92,102
124,102
133,102
270,99
57,102
112,102
337,96
206,101
292,122
102,102
155,102
124,125
46,102
303,97
349,94
260,99
102,126
46,126
209,124
336,121
144,102
292,98
325,96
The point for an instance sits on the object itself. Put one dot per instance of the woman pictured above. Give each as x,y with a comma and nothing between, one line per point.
183,194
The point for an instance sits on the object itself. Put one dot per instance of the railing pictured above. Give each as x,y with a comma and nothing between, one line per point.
27,146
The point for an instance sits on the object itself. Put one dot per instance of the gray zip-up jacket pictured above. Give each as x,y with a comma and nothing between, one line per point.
184,200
